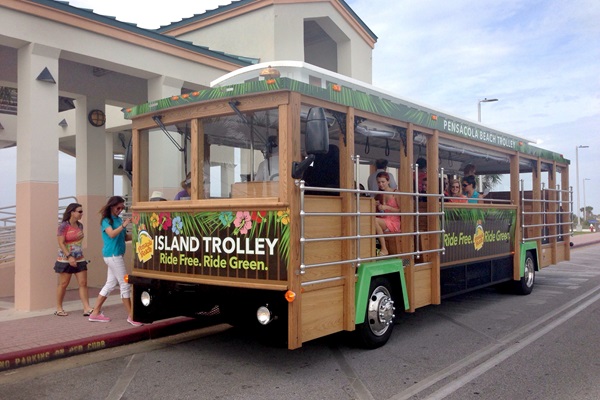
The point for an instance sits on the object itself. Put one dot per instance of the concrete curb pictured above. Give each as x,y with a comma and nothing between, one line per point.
582,244
19,359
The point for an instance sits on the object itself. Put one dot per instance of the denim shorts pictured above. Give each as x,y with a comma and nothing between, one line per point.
65,267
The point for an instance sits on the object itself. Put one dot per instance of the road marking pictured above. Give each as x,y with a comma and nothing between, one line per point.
489,350
505,354
120,387
361,391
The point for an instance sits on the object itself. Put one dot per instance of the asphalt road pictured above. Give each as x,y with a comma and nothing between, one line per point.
484,345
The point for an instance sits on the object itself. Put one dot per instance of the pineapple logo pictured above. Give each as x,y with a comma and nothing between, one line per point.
144,247
479,236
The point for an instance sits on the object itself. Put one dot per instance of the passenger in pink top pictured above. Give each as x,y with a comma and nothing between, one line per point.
386,204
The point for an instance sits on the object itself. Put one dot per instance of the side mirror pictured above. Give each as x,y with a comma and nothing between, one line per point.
299,168
317,132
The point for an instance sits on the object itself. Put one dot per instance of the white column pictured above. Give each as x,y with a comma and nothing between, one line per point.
166,171
37,178
94,176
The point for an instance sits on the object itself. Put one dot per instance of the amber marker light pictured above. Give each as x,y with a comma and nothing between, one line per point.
434,117
126,278
290,296
270,81
520,143
336,88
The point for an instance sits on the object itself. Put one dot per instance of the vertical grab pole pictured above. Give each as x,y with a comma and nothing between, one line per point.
558,210
357,190
302,242
544,202
522,211
416,196
571,204
443,216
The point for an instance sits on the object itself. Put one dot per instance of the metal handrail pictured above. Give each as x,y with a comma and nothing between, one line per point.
355,259
8,227
545,226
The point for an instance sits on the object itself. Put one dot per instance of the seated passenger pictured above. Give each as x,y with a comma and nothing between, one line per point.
423,190
185,193
456,195
157,196
268,169
387,204
381,165
446,190
468,184
422,174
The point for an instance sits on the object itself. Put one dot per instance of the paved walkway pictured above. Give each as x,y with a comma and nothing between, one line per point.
28,338
32,337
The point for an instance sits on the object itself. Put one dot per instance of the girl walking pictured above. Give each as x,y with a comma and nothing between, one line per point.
70,259
114,235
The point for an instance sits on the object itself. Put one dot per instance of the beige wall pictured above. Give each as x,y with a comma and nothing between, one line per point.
277,33
7,279
249,34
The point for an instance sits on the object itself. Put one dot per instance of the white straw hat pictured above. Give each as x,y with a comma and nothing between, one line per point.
157,196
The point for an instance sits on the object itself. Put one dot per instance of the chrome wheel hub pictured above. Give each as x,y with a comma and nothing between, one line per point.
380,312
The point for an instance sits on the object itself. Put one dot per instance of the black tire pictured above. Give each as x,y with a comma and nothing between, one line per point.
525,285
379,316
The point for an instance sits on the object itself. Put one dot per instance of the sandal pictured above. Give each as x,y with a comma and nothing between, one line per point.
61,313
87,313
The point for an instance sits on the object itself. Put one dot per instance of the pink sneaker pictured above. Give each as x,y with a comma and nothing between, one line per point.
132,322
99,318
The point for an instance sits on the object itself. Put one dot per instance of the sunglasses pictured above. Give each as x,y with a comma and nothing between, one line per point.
120,208
465,184
455,187
78,211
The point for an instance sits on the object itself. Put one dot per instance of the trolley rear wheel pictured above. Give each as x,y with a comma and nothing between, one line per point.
377,328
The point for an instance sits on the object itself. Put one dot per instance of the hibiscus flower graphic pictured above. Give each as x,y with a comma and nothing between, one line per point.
257,217
226,218
284,216
242,222
154,220
177,225
165,220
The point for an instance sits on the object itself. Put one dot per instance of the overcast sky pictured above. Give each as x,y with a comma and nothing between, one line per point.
540,58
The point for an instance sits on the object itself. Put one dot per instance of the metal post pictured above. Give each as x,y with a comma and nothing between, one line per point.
584,203
578,227
479,106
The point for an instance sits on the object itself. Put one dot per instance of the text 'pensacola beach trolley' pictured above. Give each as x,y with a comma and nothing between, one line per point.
295,253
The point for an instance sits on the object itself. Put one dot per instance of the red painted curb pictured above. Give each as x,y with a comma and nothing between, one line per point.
24,358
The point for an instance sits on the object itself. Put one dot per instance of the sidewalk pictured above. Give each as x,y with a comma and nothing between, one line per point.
28,338
585,239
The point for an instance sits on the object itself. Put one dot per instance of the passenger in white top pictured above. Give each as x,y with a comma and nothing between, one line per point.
268,169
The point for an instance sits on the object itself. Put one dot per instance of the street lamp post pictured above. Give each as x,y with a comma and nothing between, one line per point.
485,100
584,203
578,227
479,107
